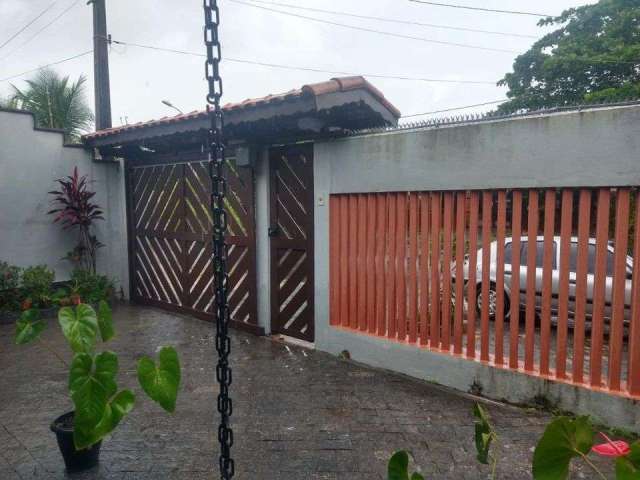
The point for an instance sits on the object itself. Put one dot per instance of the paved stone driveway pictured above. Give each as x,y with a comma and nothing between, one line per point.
298,414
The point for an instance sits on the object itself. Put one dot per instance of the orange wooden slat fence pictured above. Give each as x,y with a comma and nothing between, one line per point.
539,280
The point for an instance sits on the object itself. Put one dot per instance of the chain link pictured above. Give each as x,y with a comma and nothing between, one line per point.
218,191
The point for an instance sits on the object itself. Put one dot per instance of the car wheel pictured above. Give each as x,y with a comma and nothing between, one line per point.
493,301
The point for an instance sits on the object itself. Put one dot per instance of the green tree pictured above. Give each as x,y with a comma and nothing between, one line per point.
56,102
594,56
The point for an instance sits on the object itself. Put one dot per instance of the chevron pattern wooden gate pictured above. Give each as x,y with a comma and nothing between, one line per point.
170,231
291,231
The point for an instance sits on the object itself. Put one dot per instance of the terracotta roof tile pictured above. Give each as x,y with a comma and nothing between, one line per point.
335,85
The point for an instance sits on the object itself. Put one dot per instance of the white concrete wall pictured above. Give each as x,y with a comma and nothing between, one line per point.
30,161
592,148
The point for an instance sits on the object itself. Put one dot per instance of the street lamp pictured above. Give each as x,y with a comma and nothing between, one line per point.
171,105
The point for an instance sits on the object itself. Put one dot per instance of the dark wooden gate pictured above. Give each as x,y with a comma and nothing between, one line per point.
291,232
170,239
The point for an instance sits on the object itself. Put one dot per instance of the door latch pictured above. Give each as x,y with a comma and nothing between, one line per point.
273,231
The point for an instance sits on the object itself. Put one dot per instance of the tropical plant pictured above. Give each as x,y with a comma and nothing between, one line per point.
36,288
91,287
56,102
75,210
99,405
9,103
9,282
398,468
485,435
593,56
564,440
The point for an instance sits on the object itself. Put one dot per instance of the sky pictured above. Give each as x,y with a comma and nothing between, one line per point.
141,78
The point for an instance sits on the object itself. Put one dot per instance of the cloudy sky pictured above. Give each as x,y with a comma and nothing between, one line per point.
141,78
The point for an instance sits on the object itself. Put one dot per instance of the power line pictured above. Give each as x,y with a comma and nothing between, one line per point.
308,69
392,20
46,66
481,9
371,30
494,102
61,14
28,24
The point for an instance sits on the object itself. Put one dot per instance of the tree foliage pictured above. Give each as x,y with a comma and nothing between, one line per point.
593,56
56,102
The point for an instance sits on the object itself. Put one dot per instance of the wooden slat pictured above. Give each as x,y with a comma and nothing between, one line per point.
381,243
371,263
353,261
547,275
434,328
447,248
530,319
584,221
370,266
599,279
362,262
391,268
424,269
634,332
474,207
461,212
501,228
514,316
487,208
619,284
563,293
401,273
412,270
334,261
344,260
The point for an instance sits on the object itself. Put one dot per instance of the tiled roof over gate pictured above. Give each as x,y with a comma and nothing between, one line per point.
335,85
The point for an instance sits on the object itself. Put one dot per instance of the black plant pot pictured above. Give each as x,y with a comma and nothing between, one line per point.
75,460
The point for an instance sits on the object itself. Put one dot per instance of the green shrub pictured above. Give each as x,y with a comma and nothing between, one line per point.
37,286
9,282
91,287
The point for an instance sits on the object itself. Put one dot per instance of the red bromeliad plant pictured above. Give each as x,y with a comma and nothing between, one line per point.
75,210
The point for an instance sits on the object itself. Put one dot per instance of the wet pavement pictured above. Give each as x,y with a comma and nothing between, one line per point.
298,413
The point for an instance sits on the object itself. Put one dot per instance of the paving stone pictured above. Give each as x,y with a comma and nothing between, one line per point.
298,414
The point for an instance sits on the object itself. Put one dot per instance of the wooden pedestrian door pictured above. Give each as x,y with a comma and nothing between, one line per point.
291,232
170,239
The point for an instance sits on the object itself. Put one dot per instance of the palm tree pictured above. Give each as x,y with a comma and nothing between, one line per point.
56,102
9,103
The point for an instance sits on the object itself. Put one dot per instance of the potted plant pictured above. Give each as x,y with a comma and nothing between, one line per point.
74,209
98,404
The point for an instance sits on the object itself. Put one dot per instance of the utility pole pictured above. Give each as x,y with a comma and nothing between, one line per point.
101,65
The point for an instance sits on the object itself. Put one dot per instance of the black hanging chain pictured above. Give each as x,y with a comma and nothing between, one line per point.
218,192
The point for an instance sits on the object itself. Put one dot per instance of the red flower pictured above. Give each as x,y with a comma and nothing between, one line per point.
617,448
26,304
76,299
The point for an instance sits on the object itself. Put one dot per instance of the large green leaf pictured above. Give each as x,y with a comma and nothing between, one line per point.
628,467
563,440
91,384
398,468
161,382
105,321
484,434
29,327
116,409
79,326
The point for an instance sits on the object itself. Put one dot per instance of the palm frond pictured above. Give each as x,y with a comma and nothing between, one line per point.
56,102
